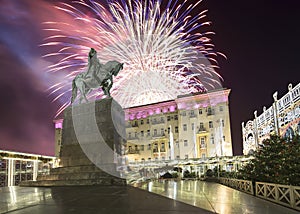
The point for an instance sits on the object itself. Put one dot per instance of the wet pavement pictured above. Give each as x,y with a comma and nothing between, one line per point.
215,197
198,197
89,199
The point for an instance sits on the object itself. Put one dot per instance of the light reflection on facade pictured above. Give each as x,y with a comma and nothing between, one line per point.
281,118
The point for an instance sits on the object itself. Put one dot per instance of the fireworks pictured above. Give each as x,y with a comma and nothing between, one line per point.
164,52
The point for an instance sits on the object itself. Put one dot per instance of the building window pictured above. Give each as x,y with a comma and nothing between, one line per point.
184,113
185,143
142,147
177,144
163,149
193,126
154,121
136,147
210,124
155,147
223,137
162,119
168,118
168,130
142,122
212,139
149,159
149,147
135,123
176,117
176,129
186,156
162,131
203,155
129,135
200,111
221,108
155,132
142,133
192,113
148,132
143,159
184,127
177,157
202,142
223,124
201,127
135,134
147,121
210,111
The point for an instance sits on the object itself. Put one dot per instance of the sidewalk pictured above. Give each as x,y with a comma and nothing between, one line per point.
215,197
88,200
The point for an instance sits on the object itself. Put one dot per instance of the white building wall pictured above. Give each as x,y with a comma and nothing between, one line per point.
282,117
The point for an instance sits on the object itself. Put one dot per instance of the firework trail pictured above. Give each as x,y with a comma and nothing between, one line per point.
164,51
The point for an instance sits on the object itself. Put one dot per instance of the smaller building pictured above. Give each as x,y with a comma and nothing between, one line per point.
281,118
16,167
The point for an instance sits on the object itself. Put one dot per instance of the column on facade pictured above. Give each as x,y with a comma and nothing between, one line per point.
255,130
275,113
195,144
35,169
11,172
171,144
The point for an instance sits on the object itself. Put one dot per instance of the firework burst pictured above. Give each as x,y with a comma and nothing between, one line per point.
164,51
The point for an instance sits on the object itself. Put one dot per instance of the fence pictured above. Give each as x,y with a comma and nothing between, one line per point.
281,194
286,195
242,185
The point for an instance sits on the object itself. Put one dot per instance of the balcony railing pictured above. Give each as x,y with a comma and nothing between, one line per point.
154,122
161,150
155,150
202,129
131,125
202,146
132,138
158,135
133,151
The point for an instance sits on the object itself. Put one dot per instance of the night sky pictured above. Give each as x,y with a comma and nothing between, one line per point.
261,40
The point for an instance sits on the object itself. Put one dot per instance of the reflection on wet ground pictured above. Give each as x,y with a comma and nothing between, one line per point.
214,197
89,199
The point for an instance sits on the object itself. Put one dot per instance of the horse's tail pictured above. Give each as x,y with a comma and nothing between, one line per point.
74,90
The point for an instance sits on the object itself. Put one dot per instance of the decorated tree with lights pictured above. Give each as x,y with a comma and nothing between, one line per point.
277,161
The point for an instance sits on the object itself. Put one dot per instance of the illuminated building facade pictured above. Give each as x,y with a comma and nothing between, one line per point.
16,167
281,118
191,126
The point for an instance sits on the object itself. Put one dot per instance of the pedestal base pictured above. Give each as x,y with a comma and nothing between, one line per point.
86,159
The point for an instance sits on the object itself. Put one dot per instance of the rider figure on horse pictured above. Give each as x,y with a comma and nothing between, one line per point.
97,75
93,66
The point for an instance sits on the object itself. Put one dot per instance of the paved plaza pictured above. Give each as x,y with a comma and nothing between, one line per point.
191,197
215,197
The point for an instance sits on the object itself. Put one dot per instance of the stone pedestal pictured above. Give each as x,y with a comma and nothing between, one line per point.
91,145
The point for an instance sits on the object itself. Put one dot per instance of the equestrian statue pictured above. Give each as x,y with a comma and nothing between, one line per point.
97,75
